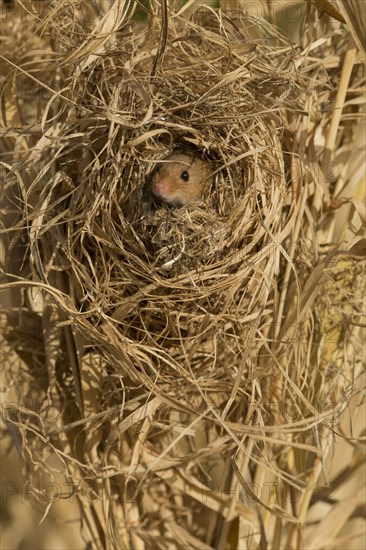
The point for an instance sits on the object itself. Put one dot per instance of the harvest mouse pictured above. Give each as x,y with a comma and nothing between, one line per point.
179,179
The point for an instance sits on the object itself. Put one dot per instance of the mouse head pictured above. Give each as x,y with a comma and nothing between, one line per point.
180,179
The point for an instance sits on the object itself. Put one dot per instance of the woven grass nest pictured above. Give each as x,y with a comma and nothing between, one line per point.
187,366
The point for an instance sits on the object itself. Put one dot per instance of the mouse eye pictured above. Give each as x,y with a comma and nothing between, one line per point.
184,175
157,169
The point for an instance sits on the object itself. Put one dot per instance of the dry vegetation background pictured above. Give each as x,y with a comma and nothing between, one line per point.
188,378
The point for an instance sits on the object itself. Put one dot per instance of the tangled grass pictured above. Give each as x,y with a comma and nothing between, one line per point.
188,367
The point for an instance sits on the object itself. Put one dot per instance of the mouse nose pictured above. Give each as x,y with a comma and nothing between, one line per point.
161,187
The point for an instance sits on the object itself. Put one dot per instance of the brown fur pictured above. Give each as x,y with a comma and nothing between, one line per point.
168,186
